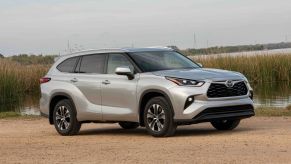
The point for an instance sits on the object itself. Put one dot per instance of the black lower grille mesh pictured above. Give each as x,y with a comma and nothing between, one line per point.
217,112
221,90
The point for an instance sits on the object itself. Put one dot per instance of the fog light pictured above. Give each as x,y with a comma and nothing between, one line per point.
189,101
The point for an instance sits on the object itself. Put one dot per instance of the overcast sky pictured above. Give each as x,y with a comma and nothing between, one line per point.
38,26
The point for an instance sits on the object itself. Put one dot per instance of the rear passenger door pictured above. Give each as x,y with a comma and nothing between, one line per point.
118,92
88,76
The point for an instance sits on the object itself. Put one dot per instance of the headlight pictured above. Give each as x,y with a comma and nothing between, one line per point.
186,82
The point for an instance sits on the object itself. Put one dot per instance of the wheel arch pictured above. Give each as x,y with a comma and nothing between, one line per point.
146,96
55,98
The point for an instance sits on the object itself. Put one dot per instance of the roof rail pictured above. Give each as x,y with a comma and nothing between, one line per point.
95,50
163,47
105,50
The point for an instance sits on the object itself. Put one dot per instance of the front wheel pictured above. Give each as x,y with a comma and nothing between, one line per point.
158,118
65,119
225,124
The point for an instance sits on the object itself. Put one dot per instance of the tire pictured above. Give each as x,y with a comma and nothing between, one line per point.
225,124
158,118
65,118
129,125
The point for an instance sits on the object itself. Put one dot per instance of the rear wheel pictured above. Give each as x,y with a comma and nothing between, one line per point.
65,119
158,118
225,124
129,125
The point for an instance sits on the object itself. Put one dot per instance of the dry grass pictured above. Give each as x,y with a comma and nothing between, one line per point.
17,79
257,68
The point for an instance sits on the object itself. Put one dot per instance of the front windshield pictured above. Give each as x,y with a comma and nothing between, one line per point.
161,60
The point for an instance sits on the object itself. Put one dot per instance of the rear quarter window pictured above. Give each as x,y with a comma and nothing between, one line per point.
68,65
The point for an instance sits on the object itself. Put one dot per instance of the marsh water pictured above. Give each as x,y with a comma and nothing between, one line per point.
269,94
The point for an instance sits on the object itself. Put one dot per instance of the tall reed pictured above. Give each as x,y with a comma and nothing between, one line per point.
257,68
17,80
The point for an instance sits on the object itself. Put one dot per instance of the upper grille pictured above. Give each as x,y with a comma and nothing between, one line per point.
221,90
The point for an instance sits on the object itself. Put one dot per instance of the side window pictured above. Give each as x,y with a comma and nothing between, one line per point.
117,60
93,63
68,65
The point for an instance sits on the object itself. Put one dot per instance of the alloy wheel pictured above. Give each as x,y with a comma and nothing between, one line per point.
156,117
63,118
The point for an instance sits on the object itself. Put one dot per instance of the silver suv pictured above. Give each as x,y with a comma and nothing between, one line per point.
156,88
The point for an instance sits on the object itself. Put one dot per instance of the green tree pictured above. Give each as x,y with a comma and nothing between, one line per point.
1,56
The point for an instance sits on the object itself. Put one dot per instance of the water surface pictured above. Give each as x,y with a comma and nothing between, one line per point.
272,94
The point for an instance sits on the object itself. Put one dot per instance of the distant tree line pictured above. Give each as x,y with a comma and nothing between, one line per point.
49,59
239,48
33,59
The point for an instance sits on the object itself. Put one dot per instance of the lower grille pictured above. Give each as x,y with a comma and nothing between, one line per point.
221,90
225,112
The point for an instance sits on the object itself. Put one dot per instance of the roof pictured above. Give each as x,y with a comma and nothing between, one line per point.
107,50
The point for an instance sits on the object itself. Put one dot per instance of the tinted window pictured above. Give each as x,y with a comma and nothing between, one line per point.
117,60
92,64
162,60
67,65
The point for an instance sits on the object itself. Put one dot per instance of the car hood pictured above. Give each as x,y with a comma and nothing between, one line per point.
201,74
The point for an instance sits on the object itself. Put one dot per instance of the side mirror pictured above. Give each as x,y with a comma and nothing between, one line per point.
200,64
124,70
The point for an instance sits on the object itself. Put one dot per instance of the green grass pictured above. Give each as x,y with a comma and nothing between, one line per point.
15,115
9,115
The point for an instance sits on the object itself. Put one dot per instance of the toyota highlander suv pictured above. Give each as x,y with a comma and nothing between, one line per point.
155,88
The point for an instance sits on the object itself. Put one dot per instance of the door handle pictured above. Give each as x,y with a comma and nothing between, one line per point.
74,80
106,82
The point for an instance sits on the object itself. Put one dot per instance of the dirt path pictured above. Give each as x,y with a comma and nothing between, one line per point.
257,140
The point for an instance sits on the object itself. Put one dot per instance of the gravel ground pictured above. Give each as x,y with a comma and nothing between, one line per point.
256,140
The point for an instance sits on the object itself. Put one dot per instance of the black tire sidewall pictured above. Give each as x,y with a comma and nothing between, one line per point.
168,125
229,125
73,120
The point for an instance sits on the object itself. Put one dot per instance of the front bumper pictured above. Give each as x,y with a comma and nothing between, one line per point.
220,113
199,106
206,109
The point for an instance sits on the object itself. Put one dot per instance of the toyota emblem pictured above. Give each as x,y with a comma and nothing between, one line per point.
229,83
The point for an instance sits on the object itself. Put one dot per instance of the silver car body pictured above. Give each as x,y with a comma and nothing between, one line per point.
113,98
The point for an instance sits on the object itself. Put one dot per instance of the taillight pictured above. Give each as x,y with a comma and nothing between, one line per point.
44,80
